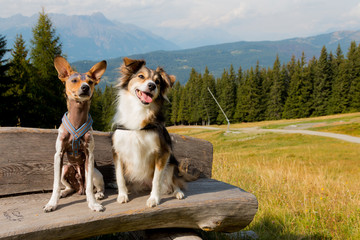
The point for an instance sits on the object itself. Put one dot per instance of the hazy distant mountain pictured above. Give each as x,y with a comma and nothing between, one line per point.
91,37
244,54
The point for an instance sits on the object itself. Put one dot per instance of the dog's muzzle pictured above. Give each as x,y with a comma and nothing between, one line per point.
85,90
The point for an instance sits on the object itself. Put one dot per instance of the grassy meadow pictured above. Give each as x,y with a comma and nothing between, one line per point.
308,187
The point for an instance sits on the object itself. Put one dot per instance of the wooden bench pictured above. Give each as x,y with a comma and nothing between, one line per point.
26,178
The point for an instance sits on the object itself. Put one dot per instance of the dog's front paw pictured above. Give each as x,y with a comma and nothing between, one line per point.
99,195
153,201
122,198
96,207
49,208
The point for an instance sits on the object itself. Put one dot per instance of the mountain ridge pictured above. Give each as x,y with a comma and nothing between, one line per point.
243,53
88,37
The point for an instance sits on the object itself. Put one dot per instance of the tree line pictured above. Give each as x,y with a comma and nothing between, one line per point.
31,95
297,89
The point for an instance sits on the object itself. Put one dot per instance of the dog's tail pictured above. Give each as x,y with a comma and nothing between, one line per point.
181,173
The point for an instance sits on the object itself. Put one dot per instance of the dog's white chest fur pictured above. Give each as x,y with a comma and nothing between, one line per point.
137,149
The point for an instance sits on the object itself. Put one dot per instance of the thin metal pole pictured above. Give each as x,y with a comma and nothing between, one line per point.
228,126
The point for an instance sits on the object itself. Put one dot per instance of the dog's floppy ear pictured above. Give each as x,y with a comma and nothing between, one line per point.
131,65
172,80
63,68
97,71
169,79
166,83
128,68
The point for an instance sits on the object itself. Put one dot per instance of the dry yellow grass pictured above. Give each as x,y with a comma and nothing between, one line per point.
308,187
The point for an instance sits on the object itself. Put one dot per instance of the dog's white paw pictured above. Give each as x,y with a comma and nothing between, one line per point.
99,195
96,207
179,194
153,201
49,207
122,198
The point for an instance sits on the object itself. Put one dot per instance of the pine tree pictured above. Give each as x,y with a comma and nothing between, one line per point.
47,88
277,95
256,93
239,82
182,111
175,102
266,84
299,101
307,87
20,73
354,90
108,107
193,103
322,85
249,96
6,101
209,113
103,108
226,92
167,108
96,109
242,94
339,101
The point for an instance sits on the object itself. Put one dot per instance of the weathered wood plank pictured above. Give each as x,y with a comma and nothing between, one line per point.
210,205
26,158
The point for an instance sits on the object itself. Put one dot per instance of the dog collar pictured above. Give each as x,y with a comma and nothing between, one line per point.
147,127
76,133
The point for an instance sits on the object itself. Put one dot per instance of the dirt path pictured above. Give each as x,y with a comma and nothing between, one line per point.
343,137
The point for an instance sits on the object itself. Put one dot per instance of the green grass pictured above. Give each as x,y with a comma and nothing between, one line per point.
308,187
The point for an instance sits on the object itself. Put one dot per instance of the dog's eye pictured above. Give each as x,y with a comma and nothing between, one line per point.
141,76
157,81
90,82
74,80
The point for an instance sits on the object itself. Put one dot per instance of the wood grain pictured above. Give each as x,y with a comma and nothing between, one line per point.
26,158
210,205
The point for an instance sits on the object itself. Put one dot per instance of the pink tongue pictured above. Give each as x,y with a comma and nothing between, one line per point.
145,98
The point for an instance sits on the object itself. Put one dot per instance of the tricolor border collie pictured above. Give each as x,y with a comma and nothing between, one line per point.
142,147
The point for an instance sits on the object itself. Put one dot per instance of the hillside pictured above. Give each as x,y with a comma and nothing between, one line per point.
244,54
91,37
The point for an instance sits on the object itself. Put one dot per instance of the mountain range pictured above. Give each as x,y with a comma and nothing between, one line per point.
92,37
244,54
88,39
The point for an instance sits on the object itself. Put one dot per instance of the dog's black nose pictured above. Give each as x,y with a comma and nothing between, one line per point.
151,86
85,88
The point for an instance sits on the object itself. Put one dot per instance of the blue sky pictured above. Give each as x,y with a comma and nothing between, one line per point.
200,22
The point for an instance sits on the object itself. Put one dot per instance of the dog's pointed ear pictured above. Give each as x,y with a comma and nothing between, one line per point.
97,71
63,68
131,65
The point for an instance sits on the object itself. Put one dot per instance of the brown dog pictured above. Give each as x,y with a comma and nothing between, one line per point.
75,138
141,144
